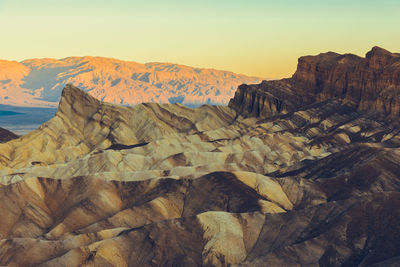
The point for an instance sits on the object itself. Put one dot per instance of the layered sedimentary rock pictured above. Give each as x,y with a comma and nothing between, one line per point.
370,83
83,124
164,185
266,99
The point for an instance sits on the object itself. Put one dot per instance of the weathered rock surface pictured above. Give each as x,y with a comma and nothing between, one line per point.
291,184
370,83
83,124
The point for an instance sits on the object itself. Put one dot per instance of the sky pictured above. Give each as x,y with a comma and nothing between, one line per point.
261,38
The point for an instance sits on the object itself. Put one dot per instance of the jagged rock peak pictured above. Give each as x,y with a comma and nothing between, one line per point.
379,51
77,106
73,97
370,84
379,57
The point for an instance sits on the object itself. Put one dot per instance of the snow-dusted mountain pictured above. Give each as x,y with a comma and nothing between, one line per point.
39,82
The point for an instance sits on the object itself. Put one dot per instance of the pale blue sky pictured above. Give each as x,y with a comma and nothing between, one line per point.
255,37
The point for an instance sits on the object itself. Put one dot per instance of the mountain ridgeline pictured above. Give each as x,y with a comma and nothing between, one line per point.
297,172
39,82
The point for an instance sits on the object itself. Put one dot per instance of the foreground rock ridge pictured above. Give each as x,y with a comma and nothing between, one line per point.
370,83
298,183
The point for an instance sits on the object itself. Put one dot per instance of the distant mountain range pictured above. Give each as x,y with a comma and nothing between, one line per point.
39,82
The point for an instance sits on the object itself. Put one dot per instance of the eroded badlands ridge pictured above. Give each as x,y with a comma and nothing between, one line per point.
164,185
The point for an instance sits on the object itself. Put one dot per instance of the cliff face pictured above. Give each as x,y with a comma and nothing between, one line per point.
269,97
370,83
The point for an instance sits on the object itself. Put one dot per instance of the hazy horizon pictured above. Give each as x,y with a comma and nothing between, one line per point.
256,38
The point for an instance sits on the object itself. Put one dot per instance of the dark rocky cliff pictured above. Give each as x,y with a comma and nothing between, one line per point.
370,83
269,97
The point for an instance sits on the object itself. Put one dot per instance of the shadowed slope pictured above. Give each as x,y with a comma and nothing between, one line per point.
6,135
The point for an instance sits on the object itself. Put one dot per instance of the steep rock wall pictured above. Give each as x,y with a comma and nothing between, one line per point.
370,83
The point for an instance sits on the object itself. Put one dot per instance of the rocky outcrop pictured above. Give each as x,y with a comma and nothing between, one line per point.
6,135
370,84
269,97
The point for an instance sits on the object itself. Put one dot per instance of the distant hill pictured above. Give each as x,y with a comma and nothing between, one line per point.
9,113
39,82
6,135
